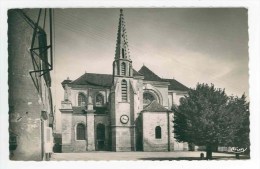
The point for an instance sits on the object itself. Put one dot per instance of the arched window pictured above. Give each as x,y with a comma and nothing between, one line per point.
99,100
148,98
158,132
124,90
80,131
123,67
82,99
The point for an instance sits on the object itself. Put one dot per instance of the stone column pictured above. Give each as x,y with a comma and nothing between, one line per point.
90,131
90,119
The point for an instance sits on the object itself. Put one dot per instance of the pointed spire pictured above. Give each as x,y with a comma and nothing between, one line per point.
122,51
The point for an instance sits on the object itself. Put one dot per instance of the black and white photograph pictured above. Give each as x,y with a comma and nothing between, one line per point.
151,84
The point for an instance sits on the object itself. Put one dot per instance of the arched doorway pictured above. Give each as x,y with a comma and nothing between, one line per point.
100,137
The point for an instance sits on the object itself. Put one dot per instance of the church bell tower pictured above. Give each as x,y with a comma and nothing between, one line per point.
122,65
122,120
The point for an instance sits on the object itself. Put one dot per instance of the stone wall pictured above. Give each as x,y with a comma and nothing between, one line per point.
69,139
150,121
26,104
78,145
123,141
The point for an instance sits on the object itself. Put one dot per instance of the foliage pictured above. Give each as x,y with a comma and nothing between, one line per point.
207,116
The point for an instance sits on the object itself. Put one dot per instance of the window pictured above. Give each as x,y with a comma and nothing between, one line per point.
158,132
147,98
81,99
123,53
123,68
124,90
99,100
80,132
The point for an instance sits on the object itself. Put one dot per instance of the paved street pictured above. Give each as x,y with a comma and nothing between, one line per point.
138,156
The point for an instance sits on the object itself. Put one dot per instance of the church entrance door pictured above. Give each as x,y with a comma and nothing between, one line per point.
100,138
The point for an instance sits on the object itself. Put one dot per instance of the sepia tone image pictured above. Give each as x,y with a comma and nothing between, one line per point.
128,84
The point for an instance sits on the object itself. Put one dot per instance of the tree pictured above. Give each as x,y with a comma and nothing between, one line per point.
240,109
208,117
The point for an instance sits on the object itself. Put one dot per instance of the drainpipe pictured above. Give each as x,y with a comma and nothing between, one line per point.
168,128
86,131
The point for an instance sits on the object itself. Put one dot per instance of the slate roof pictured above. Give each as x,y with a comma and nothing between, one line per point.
148,74
135,73
105,80
154,106
151,76
175,85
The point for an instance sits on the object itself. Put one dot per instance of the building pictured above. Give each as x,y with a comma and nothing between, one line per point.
29,80
127,111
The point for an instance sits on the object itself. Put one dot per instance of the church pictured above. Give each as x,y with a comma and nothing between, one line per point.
128,110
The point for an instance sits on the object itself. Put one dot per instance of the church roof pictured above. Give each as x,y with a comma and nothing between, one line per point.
148,74
151,76
175,85
154,106
105,80
94,79
135,73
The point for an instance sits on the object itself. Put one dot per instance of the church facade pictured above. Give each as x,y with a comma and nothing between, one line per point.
127,111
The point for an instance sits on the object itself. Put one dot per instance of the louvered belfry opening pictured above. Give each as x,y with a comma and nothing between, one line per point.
123,69
123,53
124,90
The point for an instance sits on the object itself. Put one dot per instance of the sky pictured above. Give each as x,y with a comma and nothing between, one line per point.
191,45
